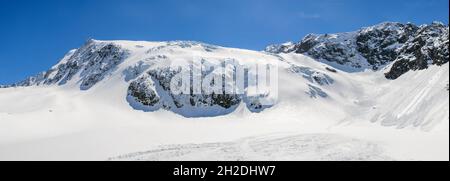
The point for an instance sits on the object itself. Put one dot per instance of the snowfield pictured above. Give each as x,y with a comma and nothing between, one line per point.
320,114
271,147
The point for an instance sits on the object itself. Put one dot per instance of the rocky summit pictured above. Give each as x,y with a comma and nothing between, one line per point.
409,46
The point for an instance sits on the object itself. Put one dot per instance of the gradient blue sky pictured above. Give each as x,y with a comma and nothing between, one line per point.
36,34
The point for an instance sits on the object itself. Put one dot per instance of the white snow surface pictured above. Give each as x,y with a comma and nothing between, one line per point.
356,116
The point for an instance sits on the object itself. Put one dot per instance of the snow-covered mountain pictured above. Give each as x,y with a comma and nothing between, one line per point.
411,47
110,98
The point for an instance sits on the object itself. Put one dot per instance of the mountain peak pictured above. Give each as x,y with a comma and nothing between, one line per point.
372,47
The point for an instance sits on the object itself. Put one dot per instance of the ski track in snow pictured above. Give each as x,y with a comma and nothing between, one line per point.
297,147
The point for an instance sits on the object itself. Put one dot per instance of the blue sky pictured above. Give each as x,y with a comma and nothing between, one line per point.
36,34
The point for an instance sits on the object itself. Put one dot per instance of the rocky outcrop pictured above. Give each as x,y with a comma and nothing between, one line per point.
92,63
380,44
410,47
152,91
142,90
428,47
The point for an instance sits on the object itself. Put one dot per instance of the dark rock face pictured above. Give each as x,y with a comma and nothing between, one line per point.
331,69
153,90
142,91
338,48
410,47
371,47
379,44
307,43
101,62
428,47
280,48
226,100
92,62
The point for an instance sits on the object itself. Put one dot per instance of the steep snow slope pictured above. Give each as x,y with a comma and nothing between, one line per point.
80,110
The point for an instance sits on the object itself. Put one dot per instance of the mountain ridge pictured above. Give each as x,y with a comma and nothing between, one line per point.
145,69
110,98
376,47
